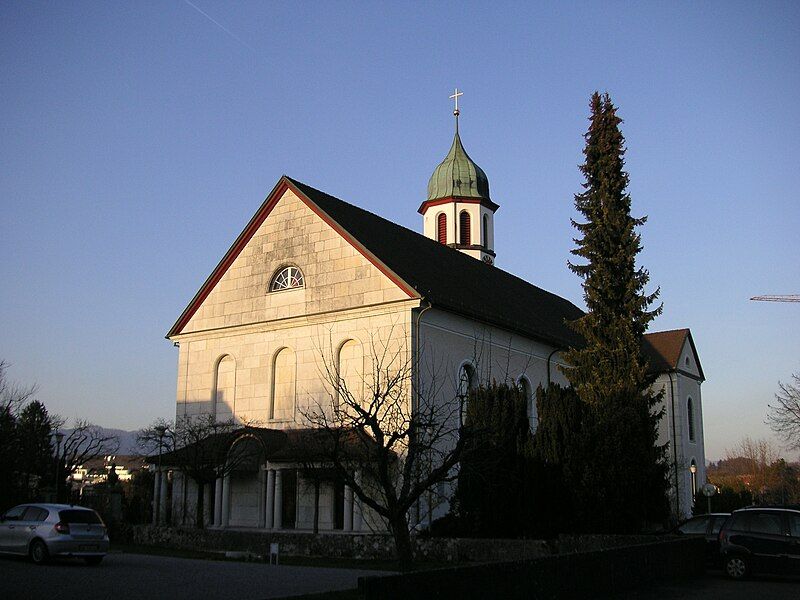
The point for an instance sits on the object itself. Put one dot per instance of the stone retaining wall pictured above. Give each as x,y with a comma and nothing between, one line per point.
336,545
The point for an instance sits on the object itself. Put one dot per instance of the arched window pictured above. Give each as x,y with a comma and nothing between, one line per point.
466,383
527,392
284,375
690,417
463,225
486,231
286,279
350,366
224,389
441,228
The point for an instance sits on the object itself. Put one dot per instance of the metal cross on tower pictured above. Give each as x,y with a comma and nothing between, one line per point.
455,96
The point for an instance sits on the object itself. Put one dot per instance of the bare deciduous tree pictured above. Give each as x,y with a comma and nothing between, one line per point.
200,447
758,456
82,442
784,415
390,441
12,395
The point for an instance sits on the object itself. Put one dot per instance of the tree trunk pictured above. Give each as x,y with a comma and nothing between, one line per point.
402,541
316,506
200,516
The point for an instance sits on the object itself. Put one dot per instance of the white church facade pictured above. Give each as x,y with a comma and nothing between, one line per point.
313,281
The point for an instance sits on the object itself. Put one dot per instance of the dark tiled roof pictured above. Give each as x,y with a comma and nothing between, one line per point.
452,280
276,445
663,350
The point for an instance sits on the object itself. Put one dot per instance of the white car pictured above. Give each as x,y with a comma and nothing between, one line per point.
42,531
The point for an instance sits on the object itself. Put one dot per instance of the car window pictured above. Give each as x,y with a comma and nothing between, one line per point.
718,523
794,524
740,521
769,523
34,513
15,513
698,525
79,516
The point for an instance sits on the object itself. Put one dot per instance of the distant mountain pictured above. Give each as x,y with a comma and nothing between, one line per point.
127,439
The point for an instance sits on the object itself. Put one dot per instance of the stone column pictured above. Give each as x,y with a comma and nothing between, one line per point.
357,516
277,519
207,514
226,500
177,497
262,496
348,508
163,498
218,502
270,510
156,496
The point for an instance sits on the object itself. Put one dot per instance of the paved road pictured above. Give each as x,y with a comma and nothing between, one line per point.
136,576
716,585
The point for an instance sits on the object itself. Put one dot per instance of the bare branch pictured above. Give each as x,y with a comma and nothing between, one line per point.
784,416
388,437
85,442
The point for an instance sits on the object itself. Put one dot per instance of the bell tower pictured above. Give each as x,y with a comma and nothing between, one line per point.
459,212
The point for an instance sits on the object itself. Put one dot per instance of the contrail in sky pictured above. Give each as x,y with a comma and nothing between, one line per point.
221,26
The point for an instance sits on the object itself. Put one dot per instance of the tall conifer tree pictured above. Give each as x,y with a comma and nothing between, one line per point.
618,315
625,474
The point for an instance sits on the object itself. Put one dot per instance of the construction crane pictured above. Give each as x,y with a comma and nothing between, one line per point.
784,298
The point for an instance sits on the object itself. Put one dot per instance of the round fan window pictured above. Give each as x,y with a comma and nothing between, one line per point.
287,278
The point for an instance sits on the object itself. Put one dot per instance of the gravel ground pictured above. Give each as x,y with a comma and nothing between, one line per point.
138,576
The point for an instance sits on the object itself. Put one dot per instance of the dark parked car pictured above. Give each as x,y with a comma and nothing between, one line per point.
708,526
44,530
761,540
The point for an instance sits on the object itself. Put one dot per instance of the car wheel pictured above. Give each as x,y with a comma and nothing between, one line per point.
39,553
736,567
93,560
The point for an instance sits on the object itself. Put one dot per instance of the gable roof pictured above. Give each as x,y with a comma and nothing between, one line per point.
443,276
423,268
663,350
452,280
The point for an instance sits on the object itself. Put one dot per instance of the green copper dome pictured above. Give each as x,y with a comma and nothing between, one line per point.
458,175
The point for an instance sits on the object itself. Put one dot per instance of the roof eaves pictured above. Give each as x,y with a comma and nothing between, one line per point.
228,258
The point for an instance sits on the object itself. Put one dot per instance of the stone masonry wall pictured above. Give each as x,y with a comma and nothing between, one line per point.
336,545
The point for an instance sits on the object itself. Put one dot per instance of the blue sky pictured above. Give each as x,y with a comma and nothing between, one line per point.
136,140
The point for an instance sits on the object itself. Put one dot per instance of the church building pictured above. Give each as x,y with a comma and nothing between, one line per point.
314,281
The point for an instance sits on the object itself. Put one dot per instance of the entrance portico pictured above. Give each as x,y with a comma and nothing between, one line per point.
263,484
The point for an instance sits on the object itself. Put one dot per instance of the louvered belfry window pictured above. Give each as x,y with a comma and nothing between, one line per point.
463,222
441,228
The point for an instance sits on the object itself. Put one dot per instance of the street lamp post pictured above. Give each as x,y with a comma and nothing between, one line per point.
693,471
160,430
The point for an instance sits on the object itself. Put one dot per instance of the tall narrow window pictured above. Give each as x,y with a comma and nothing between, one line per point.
441,228
486,231
224,388
690,417
283,385
351,369
527,392
466,383
463,224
